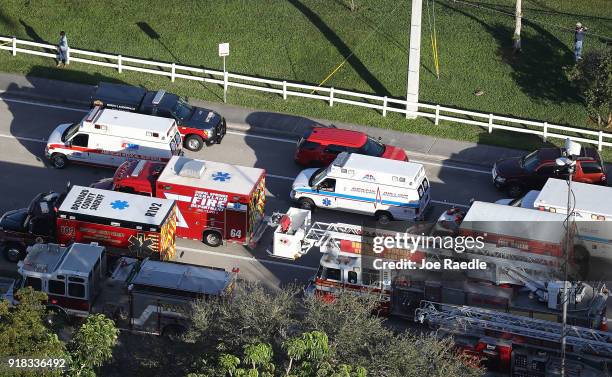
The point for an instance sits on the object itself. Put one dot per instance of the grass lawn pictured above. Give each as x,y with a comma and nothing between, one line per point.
304,40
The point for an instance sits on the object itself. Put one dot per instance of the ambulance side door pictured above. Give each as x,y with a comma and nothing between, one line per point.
79,147
327,197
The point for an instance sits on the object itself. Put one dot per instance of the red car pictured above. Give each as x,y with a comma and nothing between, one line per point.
321,145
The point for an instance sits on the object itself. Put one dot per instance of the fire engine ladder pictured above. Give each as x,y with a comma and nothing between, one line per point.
326,234
469,320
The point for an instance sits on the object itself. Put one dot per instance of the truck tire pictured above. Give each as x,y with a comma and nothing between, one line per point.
212,238
582,260
194,143
383,217
515,190
14,252
59,161
306,204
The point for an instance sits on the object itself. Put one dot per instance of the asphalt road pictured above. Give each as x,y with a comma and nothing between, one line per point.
25,125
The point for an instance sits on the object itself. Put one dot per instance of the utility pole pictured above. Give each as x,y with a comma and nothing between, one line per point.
414,58
517,27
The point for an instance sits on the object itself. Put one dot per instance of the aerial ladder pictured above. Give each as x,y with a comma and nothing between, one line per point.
474,321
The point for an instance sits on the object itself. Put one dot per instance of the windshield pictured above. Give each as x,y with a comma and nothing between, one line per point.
15,221
530,161
372,148
182,110
317,176
70,131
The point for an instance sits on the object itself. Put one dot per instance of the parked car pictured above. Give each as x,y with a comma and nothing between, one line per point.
517,175
321,145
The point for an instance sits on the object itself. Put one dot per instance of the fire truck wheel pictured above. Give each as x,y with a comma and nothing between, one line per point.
194,143
59,161
383,217
212,238
173,332
581,259
307,204
56,317
14,252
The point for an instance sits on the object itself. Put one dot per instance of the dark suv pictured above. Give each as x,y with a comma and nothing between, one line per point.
517,175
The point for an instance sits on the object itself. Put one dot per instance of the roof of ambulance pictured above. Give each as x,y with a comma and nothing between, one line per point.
589,198
127,119
217,176
382,165
115,205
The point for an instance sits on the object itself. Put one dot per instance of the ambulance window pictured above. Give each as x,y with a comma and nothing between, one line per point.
328,185
35,283
352,277
76,290
57,287
80,140
333,274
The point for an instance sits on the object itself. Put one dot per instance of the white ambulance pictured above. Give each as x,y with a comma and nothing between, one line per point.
387,189
108,137
592,211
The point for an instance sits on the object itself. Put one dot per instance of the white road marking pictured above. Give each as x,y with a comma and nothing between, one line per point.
488,172
280,177
240,133
249,259
60,107
23,138
450,203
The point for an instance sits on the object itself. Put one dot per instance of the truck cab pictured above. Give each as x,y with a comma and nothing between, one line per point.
24,227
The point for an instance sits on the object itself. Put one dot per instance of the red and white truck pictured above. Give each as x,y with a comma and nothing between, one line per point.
127,225
216,201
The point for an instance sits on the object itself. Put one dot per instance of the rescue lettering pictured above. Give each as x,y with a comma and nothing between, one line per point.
153,209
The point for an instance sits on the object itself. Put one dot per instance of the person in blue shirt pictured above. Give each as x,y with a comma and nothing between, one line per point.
578,38
62,49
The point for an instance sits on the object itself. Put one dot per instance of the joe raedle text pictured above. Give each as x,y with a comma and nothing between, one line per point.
445,264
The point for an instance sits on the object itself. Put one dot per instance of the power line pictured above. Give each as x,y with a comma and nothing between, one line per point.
525,18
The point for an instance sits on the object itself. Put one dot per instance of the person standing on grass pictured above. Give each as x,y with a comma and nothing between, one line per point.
578,38
62,49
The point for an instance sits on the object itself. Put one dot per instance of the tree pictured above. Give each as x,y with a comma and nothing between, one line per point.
253,315
593,77
517,27
92,345
23,332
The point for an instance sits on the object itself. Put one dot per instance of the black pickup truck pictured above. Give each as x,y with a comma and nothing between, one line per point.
196,125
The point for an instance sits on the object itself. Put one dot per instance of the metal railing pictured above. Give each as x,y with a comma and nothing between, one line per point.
330,95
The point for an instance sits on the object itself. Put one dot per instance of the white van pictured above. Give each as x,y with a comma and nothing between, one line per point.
108,137
387,189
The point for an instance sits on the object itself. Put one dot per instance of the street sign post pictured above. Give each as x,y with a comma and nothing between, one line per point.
223,52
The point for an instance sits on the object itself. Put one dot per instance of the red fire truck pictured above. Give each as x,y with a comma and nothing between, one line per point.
216,201
126,224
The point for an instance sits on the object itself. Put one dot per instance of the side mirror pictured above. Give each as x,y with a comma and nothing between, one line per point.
379,138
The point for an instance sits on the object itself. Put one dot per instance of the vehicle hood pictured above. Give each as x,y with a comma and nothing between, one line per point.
202,119
56,135
302,179
14,219
509,167
394,153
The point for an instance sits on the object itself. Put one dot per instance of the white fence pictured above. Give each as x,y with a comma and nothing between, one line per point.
328,94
